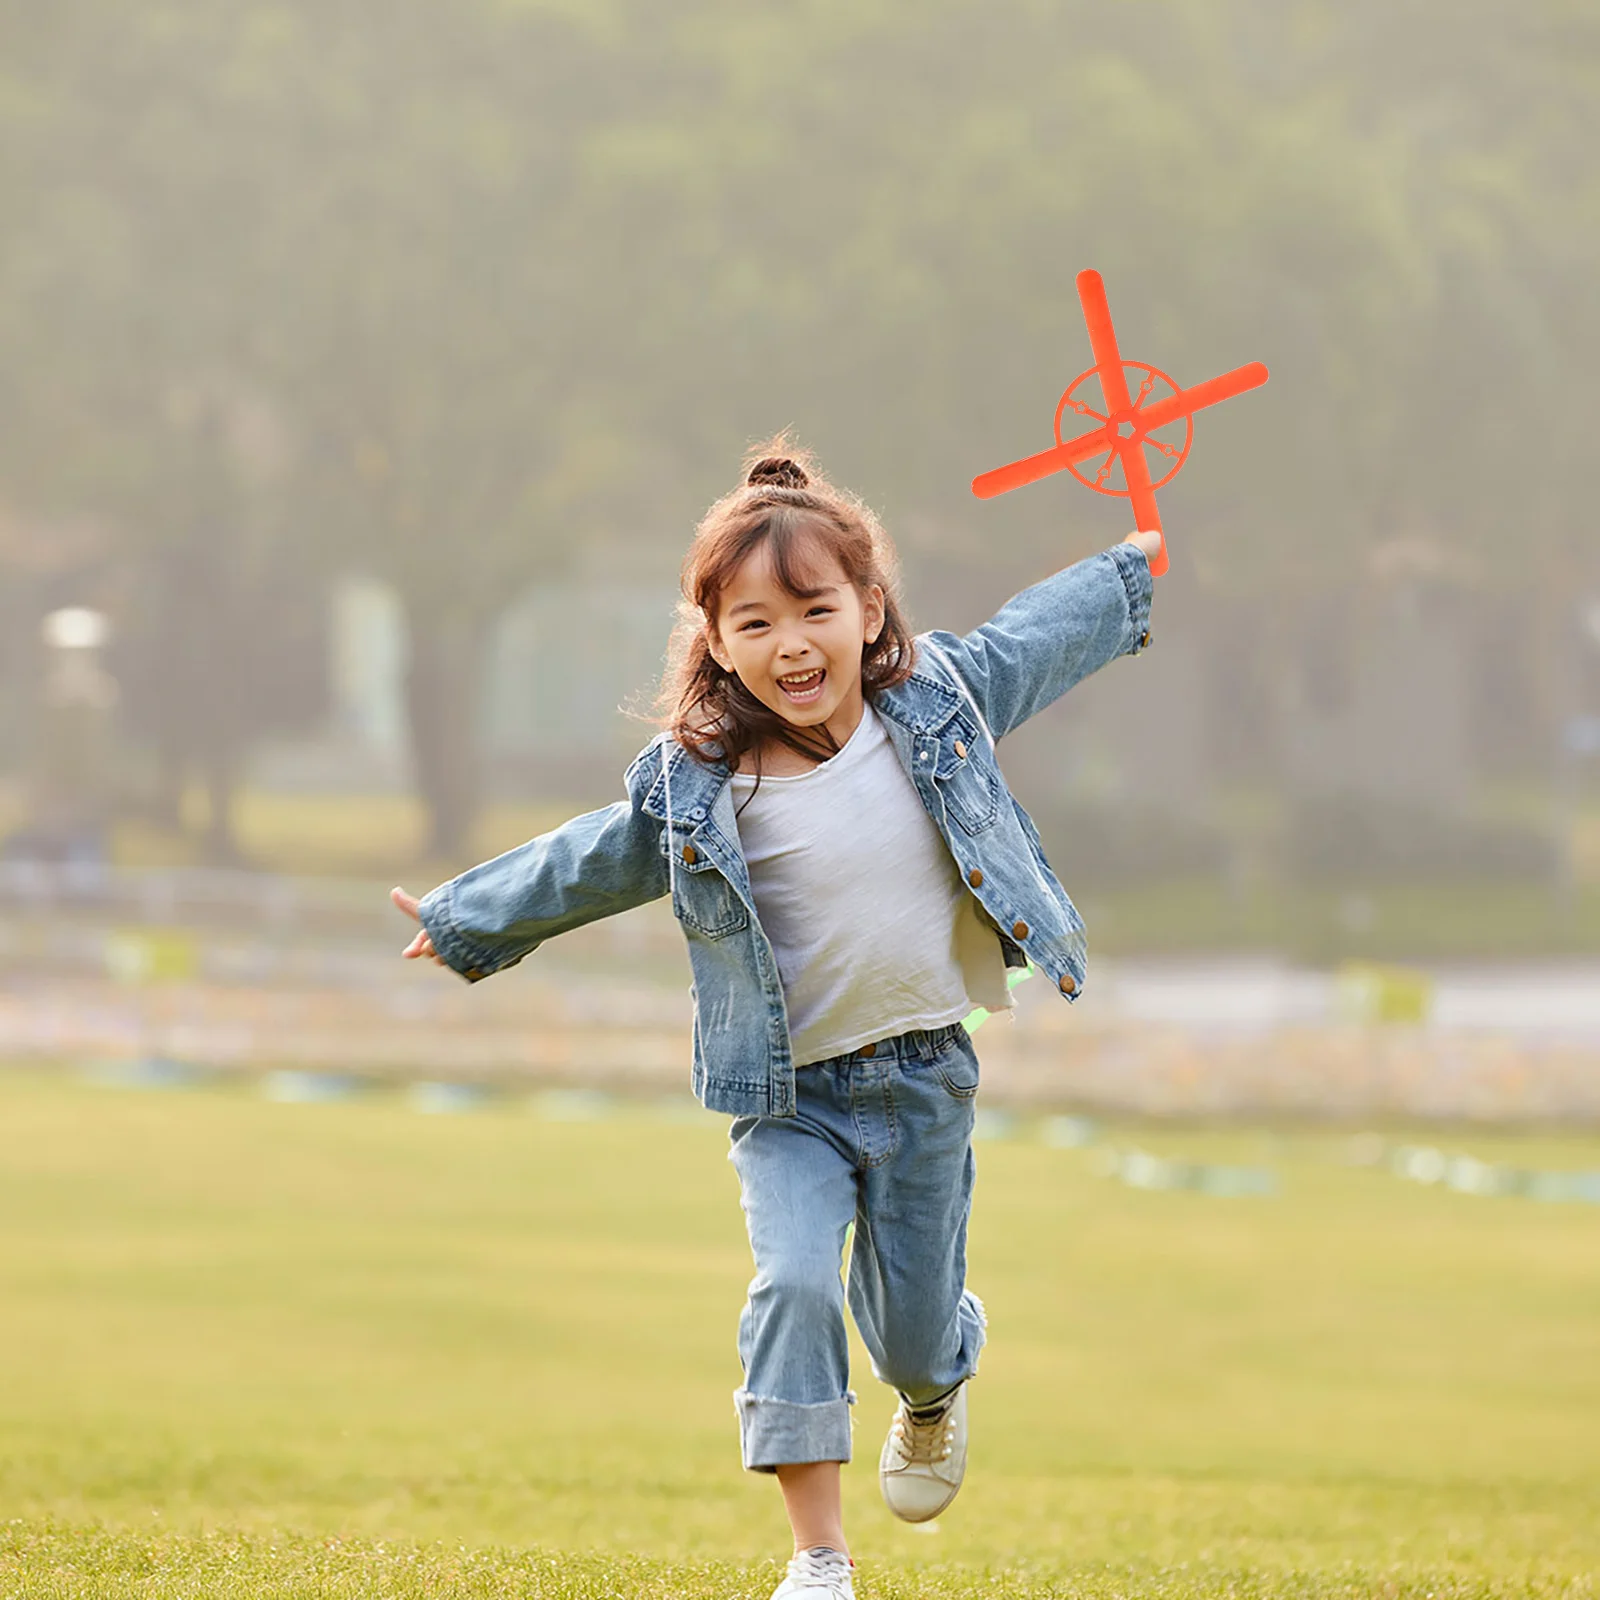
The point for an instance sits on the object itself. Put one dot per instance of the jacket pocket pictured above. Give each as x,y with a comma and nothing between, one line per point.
965,776
704,900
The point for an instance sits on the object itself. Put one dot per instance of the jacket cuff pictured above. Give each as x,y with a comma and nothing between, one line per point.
1134,567
433,910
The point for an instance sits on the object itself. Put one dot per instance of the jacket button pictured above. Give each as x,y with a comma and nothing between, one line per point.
474,973
961,751
867,1050
1019,930
1069,984
689,855
975,878
1144,643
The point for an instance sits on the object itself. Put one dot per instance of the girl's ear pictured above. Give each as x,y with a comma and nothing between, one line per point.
871,615
715,646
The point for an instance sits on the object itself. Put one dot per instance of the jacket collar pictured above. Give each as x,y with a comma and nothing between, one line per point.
695,785
924,703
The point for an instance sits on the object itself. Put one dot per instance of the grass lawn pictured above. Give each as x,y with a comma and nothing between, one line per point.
251,1349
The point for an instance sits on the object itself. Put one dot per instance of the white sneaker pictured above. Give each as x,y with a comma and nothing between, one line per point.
818,1574
923,1462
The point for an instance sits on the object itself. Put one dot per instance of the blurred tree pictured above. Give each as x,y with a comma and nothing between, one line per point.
454,355
140,368
476,286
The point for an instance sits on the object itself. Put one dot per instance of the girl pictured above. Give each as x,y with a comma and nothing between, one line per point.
852,877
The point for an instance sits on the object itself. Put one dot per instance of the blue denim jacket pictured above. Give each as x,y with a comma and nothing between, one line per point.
963,695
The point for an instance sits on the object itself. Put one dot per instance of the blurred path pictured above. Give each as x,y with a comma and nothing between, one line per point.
1545,1001
239,974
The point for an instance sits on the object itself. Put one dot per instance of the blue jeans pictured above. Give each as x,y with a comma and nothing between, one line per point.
882,1137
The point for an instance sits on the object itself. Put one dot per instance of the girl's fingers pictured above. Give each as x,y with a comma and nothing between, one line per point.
423,948
422,945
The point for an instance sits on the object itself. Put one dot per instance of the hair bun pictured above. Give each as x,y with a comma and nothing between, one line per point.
779,471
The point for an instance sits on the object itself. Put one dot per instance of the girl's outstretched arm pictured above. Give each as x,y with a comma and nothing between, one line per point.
494,914
1051,636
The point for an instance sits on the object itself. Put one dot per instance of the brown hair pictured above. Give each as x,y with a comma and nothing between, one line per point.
786,503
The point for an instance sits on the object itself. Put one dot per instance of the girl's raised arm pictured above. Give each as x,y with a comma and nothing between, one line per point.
1051,636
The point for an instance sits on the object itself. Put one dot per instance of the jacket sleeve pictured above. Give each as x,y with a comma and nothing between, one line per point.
594,866
1053,635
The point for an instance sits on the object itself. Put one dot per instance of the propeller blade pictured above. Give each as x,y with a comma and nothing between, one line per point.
988,484
1103,340
1143,497
1187,401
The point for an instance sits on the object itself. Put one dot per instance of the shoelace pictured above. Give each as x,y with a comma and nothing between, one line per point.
927,1440
820,1565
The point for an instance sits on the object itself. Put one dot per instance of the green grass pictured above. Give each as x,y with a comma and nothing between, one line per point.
249,1349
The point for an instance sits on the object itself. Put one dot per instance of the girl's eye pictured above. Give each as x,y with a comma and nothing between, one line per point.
757,622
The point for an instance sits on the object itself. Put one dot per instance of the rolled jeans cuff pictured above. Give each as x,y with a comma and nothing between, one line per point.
782,1433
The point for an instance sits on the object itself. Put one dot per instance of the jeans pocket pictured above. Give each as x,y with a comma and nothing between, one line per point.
957,1068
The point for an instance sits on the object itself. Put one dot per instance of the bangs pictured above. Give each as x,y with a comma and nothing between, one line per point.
800,547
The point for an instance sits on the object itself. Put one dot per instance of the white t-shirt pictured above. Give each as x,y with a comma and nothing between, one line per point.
873,929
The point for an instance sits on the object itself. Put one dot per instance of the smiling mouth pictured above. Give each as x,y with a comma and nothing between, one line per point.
804,688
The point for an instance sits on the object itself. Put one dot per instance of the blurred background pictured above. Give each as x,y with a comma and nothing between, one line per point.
364,371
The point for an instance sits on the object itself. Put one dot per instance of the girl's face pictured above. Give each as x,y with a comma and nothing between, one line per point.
800,655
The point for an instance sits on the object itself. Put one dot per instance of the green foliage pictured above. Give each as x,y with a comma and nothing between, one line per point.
1345,838
1117,845
456,294
509,268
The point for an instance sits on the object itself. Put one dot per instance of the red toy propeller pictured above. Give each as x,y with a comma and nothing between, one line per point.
1126,425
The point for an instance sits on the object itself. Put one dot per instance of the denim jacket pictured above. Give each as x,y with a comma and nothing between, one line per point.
963,694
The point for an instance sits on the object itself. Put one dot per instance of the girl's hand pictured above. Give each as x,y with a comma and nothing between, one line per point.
1149,542
422,945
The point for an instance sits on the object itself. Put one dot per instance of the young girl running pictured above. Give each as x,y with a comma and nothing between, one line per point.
853,877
